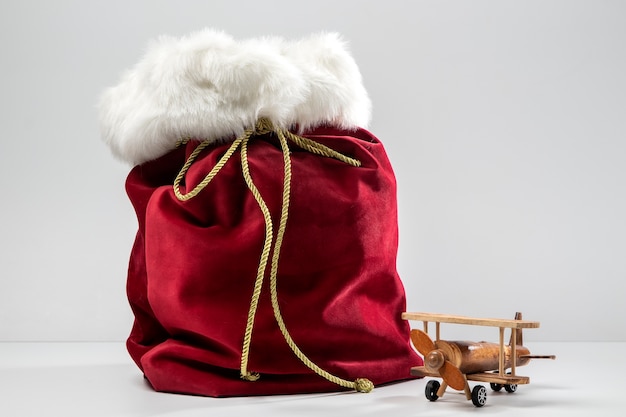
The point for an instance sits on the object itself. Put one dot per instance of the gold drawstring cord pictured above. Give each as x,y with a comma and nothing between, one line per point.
264,126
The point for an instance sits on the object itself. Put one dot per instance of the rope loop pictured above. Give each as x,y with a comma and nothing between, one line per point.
270,245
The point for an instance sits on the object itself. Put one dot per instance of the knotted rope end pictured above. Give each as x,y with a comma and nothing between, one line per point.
363,385
251,376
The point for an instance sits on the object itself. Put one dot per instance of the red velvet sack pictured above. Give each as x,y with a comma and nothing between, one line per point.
265,262
194,264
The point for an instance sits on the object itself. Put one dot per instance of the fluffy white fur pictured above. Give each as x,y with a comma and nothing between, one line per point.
208,85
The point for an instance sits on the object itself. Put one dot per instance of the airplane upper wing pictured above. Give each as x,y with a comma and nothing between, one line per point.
447,318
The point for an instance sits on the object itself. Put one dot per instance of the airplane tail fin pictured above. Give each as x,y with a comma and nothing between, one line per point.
518,332
520,342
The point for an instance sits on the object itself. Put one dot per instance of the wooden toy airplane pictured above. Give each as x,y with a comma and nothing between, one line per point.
457,362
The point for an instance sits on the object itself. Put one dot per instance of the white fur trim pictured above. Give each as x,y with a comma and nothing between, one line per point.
208,85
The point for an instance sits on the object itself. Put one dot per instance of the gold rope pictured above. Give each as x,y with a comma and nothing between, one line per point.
258,283
210,175
361,384
319,149
264,126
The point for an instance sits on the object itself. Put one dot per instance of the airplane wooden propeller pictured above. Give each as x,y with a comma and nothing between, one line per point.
435,360
456,362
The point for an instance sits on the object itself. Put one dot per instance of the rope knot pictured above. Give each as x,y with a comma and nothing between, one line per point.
363,385
251,376
263,126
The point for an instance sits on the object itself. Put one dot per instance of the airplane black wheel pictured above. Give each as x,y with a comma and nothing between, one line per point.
479,395
510,388
496,387
431,390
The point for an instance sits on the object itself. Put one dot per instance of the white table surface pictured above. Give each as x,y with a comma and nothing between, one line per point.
99,379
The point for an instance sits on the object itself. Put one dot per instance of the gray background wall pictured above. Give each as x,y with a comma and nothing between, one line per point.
504,121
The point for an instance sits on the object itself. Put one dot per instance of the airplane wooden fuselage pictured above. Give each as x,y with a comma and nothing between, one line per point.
456,362
475,357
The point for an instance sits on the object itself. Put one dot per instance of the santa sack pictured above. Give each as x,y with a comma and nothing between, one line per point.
265,257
